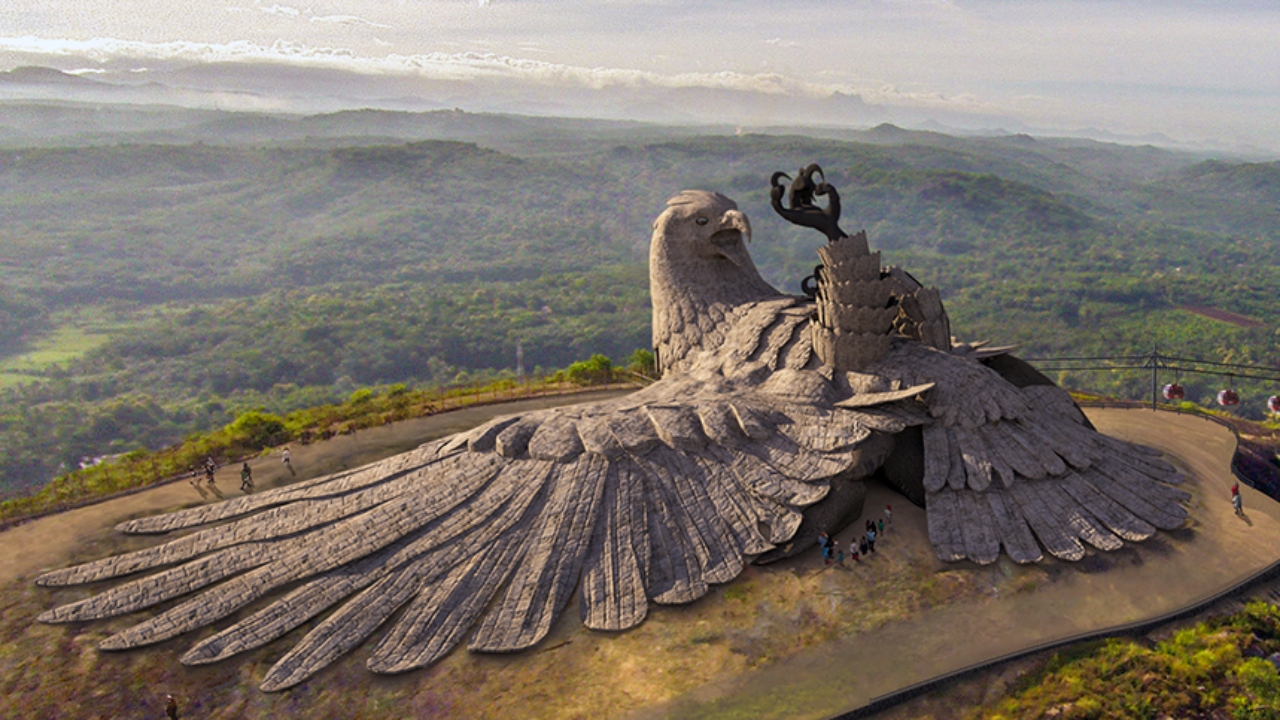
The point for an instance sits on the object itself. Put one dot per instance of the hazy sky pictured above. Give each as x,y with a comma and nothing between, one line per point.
1197,71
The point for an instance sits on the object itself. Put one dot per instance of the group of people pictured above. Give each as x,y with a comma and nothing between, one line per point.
211,467
860,546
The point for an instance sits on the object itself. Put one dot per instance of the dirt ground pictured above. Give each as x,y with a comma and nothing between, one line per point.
792,640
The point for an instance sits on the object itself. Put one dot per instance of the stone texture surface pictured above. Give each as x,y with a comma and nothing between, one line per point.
748,446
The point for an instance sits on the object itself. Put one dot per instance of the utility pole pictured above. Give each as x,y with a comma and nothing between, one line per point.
1153,361
1155,365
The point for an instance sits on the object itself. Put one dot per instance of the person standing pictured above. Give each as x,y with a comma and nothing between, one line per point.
1237,503
246,478
888,515
171,707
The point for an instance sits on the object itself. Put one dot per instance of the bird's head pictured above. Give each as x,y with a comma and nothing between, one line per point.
702,230
698,269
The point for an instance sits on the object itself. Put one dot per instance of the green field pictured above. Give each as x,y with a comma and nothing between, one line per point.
67,342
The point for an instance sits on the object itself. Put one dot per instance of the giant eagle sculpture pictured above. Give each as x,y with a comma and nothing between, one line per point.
770,412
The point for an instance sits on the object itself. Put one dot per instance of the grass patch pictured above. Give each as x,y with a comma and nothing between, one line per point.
1216,668
75,334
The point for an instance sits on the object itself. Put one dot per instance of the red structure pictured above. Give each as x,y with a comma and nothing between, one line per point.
1174,391
1228,397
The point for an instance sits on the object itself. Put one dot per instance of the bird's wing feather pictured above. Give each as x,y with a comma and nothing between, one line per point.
483,536
1005,466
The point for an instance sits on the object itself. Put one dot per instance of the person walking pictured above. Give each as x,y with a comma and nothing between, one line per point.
1237,503
871,540
171,707
888,515
880,526
862,545
246,478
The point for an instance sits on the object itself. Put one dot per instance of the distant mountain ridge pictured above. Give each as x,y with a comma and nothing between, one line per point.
306,91
36,75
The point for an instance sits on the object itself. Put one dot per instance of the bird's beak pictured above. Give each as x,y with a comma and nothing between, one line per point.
736,220
728,239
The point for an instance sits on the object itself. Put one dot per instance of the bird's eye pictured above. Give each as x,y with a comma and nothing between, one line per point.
702,221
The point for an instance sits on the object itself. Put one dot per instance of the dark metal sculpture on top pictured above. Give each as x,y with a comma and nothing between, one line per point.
803,210
771,413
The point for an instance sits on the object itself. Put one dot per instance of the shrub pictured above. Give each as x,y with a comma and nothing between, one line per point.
642,363
256,430
592,371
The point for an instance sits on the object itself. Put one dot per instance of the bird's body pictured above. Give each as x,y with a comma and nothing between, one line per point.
648,498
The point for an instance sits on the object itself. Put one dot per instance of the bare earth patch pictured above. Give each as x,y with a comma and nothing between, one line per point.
1222,316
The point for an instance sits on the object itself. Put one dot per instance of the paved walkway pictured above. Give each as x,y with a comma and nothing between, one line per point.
46,543
1169,572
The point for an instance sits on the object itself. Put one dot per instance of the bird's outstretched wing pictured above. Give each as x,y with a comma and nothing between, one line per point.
1004,466
651,497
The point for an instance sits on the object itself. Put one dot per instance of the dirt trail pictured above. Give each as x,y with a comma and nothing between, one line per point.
1170,571
48,542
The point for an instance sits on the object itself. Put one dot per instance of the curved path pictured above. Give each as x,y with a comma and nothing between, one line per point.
1165,574
46,542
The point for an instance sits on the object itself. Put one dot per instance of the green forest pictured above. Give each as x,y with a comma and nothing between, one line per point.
152,287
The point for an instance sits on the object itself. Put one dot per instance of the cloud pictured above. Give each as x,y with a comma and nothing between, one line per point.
487,66
346,20
466,65
281,10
